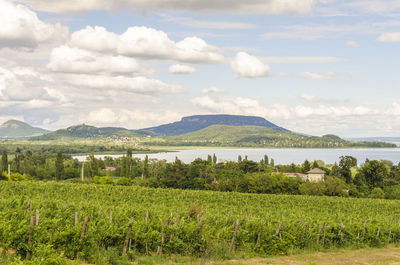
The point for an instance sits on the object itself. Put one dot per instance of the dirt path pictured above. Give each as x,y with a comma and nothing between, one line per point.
385,256
347,257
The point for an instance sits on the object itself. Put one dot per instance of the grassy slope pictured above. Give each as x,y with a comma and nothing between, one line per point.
18,129
226,133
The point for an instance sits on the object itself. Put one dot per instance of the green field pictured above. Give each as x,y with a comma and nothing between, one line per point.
187,223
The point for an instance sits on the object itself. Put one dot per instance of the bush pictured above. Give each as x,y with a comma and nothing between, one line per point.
103,180
124,181
310,188
377,193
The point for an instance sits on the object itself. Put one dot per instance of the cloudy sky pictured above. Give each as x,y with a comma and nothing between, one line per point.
312,66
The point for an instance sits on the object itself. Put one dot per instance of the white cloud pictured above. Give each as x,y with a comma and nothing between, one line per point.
22,84
352,44
317,31
73,60
101,116
141,85
245,65
126,117
20,27
312,98
314,76
374,6
209,24
146,42
235,6
212,89
181,69
4,118
325,118
390,37
301,59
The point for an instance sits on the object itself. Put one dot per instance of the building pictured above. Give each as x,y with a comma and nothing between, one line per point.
316,175
294,175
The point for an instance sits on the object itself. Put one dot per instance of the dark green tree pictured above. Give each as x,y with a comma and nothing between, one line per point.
4,161
59,165
345,164
306,166
374,172
146,167
266,160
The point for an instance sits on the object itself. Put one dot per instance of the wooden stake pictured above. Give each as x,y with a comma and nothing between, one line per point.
201,228
320,230
232,246
128,235
30,235
37,217
84,228
76,218
160,248
259,233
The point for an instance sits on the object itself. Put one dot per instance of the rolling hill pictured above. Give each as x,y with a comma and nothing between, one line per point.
199,122
87,131
257,136
14,129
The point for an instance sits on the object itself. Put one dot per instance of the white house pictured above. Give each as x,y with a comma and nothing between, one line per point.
316,175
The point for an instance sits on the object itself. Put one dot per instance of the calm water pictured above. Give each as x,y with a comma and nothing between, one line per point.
281,156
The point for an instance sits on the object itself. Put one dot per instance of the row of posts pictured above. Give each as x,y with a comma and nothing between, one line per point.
34,221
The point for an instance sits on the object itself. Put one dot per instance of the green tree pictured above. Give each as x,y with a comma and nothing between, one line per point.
374,172
59,165
377,193
266,160
146,167
93,166
4,161
345,164
315,164
306,166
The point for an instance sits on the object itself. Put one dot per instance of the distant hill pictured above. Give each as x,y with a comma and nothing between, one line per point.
87,131
394,140
256,136
14,129
199,122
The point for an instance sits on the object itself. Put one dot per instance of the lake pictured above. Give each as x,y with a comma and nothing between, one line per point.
281,156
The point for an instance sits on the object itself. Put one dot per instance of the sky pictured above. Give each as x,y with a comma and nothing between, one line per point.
311,66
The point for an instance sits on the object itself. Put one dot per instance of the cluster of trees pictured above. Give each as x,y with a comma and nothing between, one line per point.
378,179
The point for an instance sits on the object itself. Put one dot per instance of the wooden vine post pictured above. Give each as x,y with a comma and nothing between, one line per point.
128,235
160,248
30,235
320,231
232,246
259,233
84,228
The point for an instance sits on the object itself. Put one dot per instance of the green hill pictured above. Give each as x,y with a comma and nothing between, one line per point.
14,129
86,131
256,136
198,122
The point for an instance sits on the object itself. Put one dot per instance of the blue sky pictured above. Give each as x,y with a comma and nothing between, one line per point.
312,66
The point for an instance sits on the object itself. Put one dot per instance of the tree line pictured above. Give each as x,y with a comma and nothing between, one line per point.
373,178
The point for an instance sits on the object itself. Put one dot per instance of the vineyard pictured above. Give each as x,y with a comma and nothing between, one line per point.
43,220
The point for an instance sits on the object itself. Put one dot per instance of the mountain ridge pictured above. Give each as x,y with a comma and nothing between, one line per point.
15,129
198,122
87,131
